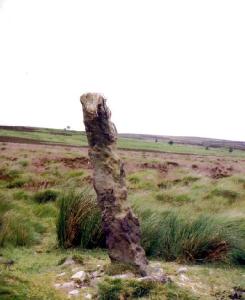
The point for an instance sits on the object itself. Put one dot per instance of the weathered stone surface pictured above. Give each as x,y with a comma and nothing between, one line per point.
74,293
79,276
68,262
68,285
182,270
123,276
120,225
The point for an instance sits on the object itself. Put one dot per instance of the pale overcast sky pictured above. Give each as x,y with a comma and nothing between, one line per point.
166,67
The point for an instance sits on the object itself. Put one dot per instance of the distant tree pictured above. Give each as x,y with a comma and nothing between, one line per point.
66,129
156,140
170,142
230,149
206,148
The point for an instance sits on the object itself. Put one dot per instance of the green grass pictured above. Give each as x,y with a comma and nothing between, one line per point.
79,220
169,235
79,139
17,230
185,216
45,196
115,289
173,236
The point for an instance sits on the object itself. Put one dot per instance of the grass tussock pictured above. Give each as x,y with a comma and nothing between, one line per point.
45,196
166,197
15,286
168,235
115,289
17,230
16,183
79,221
228,194
203,239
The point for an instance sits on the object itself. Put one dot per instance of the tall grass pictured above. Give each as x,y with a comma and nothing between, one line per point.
45,196
205,238
79,221
17,230
170,235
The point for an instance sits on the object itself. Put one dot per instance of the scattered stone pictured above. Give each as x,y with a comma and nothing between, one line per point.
154,278
155,270
61,274
237,293
79,276
123,276
57,285
88,296
155,273
100,268
96,274
68,262
74,293
182,270
183,277
68,285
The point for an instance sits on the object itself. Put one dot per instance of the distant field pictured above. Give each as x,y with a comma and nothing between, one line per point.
77,138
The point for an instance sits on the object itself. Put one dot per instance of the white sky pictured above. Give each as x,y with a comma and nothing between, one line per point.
166,67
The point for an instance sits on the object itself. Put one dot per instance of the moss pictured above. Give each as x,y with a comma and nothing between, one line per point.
228,194
119,268
45,196
16,183
116,289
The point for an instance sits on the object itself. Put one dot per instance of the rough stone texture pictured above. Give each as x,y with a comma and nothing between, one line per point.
80,276
120,225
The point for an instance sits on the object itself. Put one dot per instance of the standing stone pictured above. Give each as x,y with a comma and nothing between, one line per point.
120,225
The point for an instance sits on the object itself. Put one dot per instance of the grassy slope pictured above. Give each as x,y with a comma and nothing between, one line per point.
74,138
36,265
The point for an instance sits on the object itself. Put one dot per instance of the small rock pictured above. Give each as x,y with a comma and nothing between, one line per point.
182,270
68,262
88,296
155,270
100,268
123,276
183,278
96,274
74,293
57,285
79,276
61,274
237,293
68,285
155,278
